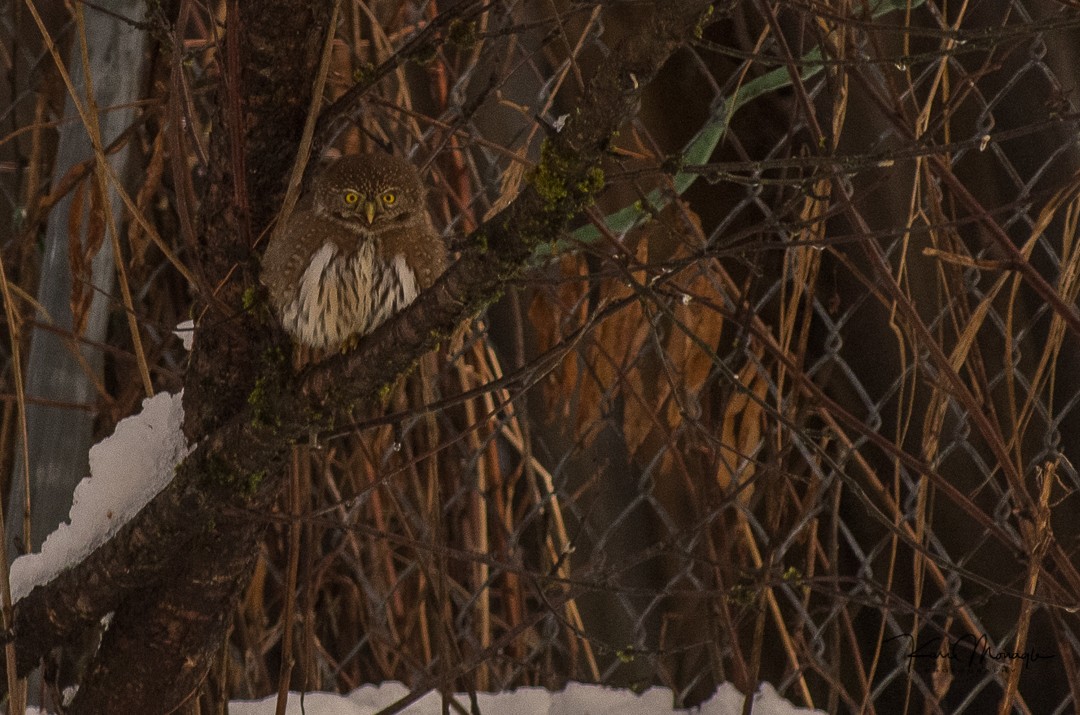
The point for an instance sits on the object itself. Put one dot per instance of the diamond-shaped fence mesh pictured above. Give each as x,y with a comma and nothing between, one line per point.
786,406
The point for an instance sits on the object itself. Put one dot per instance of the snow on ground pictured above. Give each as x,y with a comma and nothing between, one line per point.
126,470
576,699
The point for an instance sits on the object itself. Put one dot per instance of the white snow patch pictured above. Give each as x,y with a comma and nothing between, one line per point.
576,699
186,332
127,470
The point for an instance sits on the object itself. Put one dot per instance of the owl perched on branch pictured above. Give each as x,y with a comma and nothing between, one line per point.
359,253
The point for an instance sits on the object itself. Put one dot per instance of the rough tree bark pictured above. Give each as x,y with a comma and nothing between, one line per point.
173,574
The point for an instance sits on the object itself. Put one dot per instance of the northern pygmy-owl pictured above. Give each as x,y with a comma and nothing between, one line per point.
358,252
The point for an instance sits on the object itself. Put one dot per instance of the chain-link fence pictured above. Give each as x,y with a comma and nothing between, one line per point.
787,407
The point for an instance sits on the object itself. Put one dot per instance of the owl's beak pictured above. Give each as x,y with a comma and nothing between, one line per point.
369,211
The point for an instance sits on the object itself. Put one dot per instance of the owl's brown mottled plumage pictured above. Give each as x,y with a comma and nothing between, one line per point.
360,251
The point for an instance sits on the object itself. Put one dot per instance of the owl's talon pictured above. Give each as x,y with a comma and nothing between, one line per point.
350,343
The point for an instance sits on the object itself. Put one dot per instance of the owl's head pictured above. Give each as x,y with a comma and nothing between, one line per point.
369,191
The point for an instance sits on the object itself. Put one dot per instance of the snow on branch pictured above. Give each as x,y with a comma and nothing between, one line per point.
127,469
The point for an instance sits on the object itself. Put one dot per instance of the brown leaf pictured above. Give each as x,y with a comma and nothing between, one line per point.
612,351
664,389
548,312
610,355
83,247
741,428
154,170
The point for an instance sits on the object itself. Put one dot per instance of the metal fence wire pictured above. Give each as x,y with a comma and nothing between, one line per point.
786,407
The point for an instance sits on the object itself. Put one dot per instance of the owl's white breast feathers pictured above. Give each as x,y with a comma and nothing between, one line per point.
342,295
407,278
309,282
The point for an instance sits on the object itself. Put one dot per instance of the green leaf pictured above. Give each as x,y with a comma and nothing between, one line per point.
699,149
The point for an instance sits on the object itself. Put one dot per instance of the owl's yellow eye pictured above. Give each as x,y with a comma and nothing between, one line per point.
389,198
351,197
